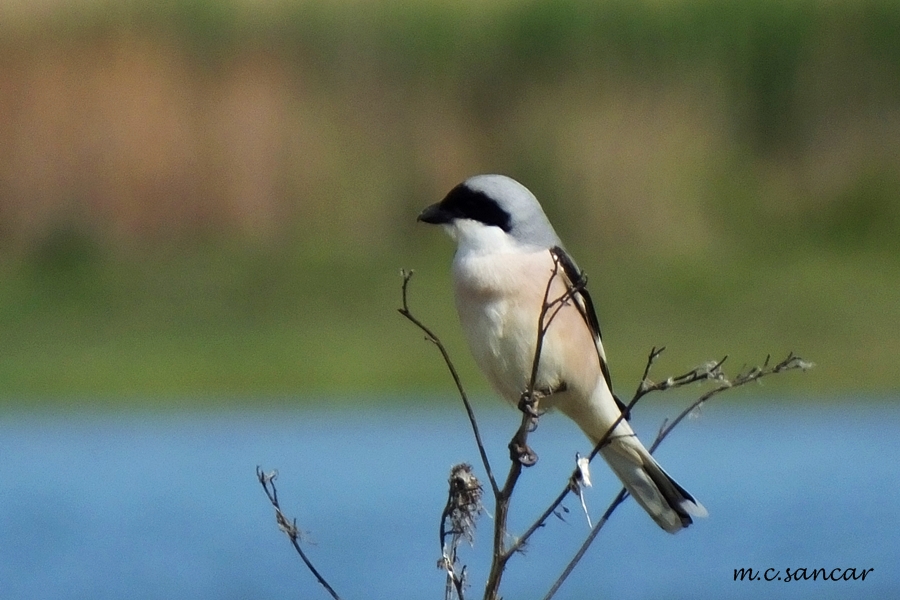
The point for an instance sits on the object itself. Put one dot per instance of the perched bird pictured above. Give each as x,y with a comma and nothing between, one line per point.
503,264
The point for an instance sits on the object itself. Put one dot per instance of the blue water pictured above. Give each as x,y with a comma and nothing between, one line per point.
150,506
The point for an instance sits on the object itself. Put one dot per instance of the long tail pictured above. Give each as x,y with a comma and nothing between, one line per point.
669,504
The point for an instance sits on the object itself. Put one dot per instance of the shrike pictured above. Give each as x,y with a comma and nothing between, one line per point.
501,271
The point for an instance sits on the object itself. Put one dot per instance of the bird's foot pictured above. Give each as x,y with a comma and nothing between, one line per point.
529,403
520,452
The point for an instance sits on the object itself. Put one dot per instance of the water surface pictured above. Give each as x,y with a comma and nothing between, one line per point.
164,506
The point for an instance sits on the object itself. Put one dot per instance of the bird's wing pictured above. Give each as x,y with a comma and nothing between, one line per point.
578,285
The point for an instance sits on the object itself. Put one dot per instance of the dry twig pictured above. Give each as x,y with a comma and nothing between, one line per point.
521,455
464,500
710,371
431,337
289,526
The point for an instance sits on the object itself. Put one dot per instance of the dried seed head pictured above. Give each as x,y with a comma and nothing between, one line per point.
464,503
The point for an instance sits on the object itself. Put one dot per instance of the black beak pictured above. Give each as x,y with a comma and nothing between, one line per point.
435,215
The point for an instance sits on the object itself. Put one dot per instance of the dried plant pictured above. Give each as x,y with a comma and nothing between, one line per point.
505,545
458,525
289,526
465,496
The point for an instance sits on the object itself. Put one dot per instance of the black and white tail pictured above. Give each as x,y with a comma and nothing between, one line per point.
669,504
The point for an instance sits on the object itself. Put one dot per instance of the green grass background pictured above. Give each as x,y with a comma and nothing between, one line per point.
726,173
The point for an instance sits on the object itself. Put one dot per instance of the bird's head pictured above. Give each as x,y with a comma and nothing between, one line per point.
492,213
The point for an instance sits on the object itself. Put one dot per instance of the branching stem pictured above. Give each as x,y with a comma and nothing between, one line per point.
289,526
755,373
521,455
431,337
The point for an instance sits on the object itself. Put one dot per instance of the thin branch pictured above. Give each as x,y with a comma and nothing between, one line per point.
791,362
289,526
708,371
643,389
433,338
541,520
520,454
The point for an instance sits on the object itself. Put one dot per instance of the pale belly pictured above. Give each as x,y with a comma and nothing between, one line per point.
499,300
499,303
502,342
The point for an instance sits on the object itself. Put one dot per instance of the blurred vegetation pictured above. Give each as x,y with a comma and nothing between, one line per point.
207,199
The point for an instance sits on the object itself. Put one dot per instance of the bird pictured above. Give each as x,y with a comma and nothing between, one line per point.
509,262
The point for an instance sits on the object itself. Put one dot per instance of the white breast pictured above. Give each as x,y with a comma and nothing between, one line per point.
499,297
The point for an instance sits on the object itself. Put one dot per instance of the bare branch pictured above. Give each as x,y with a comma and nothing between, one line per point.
289,526
706,372
433,338
520,454
790,363
620,497
573,483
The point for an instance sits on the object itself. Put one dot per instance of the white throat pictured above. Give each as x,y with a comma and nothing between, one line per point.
477,239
